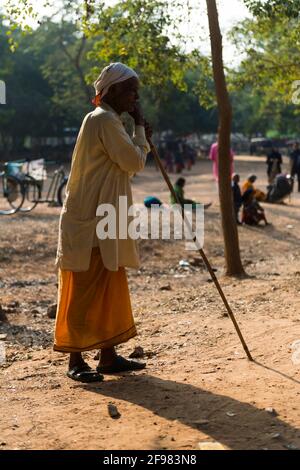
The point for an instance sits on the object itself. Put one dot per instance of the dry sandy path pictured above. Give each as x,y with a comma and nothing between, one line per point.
198,386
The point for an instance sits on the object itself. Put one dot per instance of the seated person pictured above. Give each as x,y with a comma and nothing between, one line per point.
253,213
249,184
280,189
178,188
237,196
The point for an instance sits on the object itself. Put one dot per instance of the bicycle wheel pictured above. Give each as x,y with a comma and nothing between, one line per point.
11,195
32,194
61,193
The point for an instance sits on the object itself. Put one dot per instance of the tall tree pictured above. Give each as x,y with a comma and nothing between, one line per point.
233,261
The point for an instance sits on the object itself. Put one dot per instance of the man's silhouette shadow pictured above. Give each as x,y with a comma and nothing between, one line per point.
189,404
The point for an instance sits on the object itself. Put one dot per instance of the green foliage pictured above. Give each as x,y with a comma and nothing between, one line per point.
179,110
28,94
273,8
46,92
65,54
135,32
270,45
272,48
254,114
61,50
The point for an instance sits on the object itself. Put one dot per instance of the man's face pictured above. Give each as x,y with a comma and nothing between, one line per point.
126,94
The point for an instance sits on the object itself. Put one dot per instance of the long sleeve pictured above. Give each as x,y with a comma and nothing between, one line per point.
129,154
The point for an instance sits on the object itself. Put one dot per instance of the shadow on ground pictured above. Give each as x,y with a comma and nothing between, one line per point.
189,404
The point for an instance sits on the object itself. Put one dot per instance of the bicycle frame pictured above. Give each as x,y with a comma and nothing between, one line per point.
57,179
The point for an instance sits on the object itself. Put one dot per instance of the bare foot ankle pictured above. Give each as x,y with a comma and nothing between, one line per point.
76,359
107,357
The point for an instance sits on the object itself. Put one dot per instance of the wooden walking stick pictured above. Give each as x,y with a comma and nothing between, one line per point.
203,255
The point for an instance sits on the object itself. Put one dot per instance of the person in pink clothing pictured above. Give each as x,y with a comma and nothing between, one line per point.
214,156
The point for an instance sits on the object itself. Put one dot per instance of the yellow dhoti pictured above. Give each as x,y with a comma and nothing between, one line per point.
94,309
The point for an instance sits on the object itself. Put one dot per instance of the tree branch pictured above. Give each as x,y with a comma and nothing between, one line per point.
75,61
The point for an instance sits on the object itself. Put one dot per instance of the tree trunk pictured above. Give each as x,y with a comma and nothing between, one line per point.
234,265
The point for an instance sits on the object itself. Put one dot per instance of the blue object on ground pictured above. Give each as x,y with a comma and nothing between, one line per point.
152,200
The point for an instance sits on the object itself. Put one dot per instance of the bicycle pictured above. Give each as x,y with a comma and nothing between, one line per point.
11,190
33,179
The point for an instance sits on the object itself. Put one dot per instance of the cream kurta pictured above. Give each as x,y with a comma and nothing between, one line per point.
103,159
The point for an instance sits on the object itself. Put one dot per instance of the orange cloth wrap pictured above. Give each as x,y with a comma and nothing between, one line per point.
94,309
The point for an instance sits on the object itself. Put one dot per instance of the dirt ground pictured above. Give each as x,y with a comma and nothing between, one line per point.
198,386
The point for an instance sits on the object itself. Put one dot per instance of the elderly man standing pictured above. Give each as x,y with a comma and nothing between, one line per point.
94,309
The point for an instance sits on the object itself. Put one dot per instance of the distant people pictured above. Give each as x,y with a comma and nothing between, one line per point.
249,185
179,163
295,164
178,188
189,156
253,213
151,159
214,156
168,158
253,149
274,162
237,196
280,189
179,160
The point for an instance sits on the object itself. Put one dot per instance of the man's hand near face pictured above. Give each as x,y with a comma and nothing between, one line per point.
137,115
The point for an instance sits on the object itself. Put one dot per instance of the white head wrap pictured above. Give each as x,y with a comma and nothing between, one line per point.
113,73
